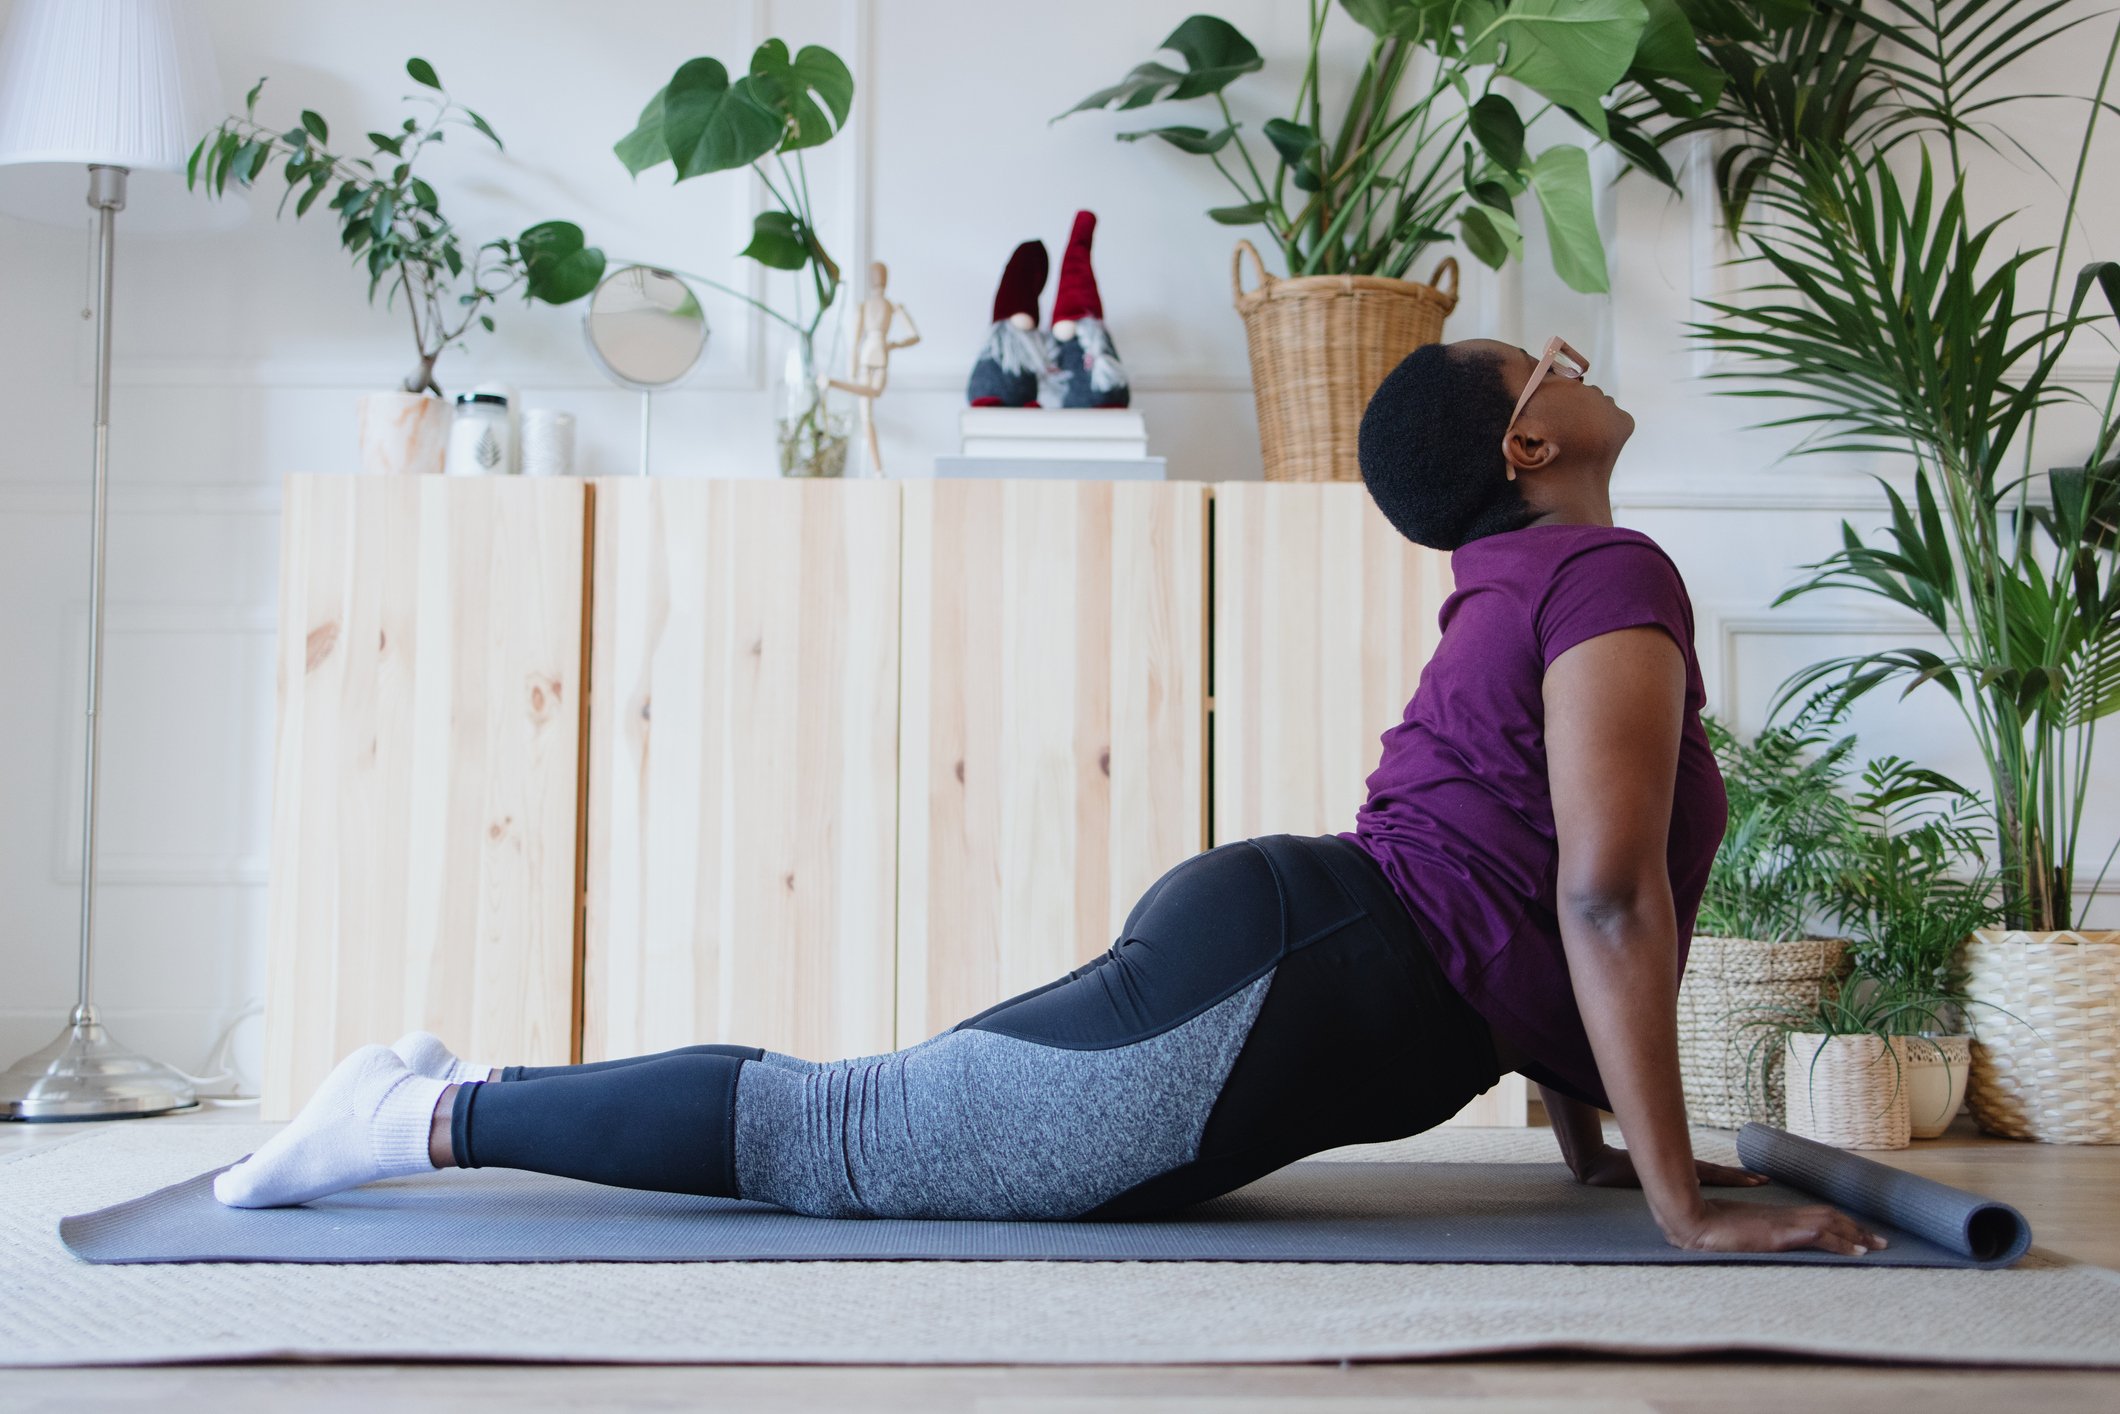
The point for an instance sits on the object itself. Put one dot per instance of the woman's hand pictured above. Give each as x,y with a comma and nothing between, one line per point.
1726,1226
1608,1167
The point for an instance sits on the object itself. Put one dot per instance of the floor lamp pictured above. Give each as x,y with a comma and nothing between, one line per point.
109,86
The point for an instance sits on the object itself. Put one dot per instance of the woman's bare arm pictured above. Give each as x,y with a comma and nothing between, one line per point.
1614,707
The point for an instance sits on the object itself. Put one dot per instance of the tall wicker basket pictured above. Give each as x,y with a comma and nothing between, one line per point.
1729,982
2046,1023
1320,344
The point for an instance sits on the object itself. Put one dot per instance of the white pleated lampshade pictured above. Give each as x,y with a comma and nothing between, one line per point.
125,83
121,83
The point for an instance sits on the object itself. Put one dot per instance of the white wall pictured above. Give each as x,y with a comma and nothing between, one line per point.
239,356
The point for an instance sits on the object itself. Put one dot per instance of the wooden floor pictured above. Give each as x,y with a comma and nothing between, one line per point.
2071,1194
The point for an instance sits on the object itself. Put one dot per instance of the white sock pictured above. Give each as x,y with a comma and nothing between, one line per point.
369,1120
424,1052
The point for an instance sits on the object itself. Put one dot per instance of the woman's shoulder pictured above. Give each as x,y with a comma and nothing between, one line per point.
1542,552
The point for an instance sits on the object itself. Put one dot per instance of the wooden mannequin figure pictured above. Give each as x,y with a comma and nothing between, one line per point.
873,346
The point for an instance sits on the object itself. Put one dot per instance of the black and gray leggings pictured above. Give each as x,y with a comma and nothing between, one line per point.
1268,998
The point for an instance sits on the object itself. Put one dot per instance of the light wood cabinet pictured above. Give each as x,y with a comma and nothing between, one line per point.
740,851
1052,727
575,769
425,771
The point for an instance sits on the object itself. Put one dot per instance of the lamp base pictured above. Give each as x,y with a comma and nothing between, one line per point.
86,1075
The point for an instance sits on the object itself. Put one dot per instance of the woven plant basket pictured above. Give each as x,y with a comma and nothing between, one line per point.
1729,982
1320,344
1849,1091
2046,1026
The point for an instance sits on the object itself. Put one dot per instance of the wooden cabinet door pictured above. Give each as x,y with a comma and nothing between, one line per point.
743,733
1053,727
1323,617
425,771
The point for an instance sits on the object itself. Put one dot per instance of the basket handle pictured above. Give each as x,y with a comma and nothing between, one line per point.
1449,263
1236,267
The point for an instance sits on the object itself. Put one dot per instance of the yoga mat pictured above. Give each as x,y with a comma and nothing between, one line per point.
1985,1232
1311,1211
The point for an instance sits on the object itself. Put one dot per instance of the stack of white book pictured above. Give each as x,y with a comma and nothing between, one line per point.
1090,443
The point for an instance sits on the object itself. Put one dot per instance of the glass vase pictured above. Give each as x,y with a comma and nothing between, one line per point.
812,432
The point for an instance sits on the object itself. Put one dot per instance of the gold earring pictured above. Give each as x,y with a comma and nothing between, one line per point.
1508,471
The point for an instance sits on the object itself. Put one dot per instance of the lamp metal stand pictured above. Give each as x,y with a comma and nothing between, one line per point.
85,1074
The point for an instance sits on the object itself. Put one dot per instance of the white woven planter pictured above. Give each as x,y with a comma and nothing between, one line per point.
1728,982
1849,1091
2046,1025
1937,1071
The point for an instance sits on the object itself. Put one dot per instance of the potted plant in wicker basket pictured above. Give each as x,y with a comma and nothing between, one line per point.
1425,149
1751,953
1881,296
1915,885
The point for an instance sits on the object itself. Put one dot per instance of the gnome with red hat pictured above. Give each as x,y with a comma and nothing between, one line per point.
1086,371
1013,359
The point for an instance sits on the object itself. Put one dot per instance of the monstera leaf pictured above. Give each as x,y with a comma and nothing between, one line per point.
1572,51
794,87
1214,53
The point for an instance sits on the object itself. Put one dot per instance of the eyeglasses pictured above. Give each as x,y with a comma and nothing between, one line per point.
1560,357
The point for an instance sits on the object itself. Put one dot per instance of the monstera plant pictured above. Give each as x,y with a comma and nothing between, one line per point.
1428,147
704,121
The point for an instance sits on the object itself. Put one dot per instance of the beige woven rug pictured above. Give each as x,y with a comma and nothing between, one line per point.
56,1310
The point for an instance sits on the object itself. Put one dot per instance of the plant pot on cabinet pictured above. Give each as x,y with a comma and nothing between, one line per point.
1729,982
1848,1091
2046,1034
402,432
1319,346
1937,1071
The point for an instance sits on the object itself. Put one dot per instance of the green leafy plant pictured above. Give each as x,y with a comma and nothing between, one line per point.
390,218
1883,303
1914,884
704,121
1427,149
1782,852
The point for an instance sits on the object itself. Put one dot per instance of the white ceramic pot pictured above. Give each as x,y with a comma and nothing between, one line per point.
1848,1091
1937,1069
402,432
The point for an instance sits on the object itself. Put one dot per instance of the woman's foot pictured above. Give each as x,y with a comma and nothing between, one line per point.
424,1052
369,1120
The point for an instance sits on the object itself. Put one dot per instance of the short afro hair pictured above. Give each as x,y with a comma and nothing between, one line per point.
1431,448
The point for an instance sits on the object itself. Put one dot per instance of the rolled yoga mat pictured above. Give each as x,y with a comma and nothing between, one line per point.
1984,1232
1311,1211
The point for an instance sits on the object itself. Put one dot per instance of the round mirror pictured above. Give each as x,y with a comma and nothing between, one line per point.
645,327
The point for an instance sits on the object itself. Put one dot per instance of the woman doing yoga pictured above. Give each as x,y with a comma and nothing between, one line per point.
1516,894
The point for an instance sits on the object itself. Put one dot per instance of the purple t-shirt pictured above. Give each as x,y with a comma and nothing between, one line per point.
1459,815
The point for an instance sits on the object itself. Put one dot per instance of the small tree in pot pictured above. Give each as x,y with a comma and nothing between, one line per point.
390,222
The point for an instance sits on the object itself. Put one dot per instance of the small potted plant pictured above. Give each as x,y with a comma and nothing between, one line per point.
1752,951
1916,884
390,222
1425,150
1848,1064
704,121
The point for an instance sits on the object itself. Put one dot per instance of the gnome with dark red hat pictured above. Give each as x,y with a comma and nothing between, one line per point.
1086,368
1012,361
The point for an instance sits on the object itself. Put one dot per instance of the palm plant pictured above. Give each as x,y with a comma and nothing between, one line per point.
1780,855
1891,310
1913,885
